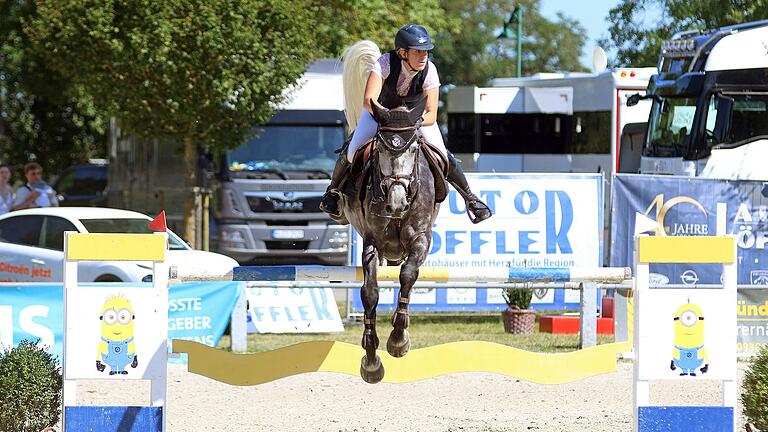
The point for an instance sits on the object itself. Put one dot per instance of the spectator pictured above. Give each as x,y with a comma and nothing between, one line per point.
6,192
34,193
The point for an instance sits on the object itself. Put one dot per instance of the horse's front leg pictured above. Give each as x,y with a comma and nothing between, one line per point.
371,369
399,342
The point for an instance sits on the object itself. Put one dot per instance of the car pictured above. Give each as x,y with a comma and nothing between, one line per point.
32,246
83,184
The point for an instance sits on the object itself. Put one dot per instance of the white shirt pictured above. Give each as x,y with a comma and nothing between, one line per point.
381,68
45,199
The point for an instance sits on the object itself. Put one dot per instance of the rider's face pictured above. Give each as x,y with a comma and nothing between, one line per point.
416,59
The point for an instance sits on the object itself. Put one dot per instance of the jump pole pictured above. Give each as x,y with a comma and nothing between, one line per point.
426,274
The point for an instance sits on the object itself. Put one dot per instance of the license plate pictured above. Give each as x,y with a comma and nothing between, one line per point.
287,234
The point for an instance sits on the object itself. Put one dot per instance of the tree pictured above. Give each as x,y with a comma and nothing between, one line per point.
197,72
470,53
637,42
339,23
42,117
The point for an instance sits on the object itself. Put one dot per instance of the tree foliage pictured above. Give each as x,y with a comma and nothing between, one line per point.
178,69
339,23
470,53
42,116
637,27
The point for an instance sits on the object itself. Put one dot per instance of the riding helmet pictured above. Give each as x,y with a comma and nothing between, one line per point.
413,36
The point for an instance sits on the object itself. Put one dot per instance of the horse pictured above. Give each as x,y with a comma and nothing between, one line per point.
392,204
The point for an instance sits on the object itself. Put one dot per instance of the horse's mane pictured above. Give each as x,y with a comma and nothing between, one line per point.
358,61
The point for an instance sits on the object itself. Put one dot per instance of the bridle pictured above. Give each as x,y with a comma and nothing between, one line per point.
397,147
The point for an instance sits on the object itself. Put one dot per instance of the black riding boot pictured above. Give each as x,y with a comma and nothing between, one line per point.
330,201
476,209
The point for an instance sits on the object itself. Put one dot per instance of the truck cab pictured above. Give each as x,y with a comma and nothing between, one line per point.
269,188
709,116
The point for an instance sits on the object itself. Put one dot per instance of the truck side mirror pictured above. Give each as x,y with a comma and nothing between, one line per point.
634,99
723,119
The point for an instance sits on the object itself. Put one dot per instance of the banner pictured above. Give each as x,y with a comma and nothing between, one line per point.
197,311
539,220
696,206
752,320
292,310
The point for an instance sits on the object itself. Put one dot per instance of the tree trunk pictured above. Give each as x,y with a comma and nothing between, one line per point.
190,182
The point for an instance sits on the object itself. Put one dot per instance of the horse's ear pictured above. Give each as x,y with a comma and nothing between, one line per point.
380,114
417,110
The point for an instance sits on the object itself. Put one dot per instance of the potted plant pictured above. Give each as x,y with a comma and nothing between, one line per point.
518,318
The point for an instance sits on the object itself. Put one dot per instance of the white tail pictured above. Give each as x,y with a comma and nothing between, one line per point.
358,61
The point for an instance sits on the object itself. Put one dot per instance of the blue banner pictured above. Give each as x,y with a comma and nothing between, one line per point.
693,206
198,311
539,220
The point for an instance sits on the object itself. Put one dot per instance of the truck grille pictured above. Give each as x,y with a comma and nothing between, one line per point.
276,205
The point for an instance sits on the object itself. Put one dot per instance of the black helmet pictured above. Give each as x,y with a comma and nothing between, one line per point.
413,36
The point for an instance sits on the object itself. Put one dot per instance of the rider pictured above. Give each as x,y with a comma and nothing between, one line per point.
403,73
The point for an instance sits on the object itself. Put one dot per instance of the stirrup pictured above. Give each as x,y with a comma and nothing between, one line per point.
478,211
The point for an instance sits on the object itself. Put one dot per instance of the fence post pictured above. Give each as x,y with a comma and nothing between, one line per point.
238,322
587,317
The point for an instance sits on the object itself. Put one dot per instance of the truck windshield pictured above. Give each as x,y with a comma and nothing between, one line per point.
129,226
278,149
748,119
670,125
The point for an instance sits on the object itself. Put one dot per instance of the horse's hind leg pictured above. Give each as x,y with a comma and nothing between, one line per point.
399,342
371,369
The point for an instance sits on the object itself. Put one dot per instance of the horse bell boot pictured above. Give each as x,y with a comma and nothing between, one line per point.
477,210
330,201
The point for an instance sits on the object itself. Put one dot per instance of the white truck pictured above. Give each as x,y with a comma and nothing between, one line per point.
710,105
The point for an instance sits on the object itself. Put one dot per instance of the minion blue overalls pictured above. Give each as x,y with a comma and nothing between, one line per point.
117,356
689,359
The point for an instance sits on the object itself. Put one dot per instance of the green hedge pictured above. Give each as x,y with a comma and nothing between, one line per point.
754,395
30,389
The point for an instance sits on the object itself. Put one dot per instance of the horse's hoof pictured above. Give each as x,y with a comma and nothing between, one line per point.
398,348
373,373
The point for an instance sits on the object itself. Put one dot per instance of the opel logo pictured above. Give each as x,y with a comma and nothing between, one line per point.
689,277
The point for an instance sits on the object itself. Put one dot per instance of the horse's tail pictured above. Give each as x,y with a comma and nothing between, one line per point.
358,61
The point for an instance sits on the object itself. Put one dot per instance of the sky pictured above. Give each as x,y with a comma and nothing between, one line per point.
591,14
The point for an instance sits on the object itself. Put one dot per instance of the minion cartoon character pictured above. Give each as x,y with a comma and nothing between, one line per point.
117,348
688,352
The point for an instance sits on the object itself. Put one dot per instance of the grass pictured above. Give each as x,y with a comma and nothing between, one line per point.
428,330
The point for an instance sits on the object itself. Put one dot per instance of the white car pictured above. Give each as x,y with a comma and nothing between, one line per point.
32,246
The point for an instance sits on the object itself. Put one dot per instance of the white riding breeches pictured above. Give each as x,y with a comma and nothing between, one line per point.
366,130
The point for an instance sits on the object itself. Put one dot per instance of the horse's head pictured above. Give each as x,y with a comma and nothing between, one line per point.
398,147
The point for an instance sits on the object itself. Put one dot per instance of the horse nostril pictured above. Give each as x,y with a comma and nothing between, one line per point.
405,209
388,208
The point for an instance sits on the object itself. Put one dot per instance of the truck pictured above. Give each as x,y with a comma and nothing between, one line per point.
265,192
709,114
551,122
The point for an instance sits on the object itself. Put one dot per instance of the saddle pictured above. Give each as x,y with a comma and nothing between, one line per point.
362,174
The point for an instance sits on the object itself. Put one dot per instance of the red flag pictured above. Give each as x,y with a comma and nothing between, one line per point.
158,224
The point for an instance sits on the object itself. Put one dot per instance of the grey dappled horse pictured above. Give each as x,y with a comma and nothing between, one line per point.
394,218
